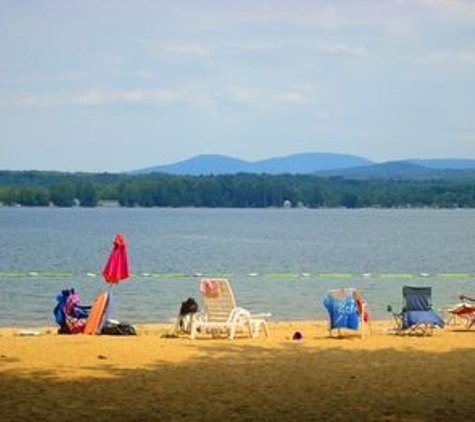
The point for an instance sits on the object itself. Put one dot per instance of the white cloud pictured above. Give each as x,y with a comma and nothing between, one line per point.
137,96
455,6
290,98
143,74
305,46
95,97
242,94
187,50
146,96
448,57
89,98
342,49
247,96
261,47
262,98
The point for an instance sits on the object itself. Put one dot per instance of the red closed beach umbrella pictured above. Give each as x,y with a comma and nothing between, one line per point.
117,267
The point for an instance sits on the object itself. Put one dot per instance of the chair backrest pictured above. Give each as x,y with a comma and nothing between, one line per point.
337,298
417,298
342,308
58,311
218,307
342,293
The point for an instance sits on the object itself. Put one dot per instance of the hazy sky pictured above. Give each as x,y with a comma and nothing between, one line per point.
116,85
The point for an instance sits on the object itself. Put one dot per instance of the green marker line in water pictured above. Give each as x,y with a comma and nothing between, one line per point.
13,275
334,275
171,275
54,275
281,275
455,275
398,275
36,274
167,275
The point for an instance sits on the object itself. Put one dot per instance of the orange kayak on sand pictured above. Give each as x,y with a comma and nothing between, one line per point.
97,313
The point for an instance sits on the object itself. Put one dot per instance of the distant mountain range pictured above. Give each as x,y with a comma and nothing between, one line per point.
326,164
297,163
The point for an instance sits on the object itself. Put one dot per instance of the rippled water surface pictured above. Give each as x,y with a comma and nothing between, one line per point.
282,261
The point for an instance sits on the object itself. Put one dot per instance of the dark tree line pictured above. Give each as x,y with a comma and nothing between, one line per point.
63,194
238,191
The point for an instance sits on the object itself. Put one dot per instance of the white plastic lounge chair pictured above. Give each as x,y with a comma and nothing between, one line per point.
221,315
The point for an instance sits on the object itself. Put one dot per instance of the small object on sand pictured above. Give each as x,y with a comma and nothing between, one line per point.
28,333
101,357
169,335
297,336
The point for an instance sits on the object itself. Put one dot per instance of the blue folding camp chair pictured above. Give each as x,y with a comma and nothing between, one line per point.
417,316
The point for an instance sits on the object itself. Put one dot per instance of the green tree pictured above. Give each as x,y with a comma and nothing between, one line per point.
87,195
63,194
31,196
349,200
9,196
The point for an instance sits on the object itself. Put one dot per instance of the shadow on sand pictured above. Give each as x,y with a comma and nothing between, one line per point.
232,382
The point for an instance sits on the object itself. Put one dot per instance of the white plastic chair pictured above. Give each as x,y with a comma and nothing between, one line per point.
221,315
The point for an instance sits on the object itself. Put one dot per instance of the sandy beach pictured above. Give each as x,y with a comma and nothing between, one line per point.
382,377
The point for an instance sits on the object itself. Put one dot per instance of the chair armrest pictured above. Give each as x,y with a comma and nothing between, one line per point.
261,315
238,313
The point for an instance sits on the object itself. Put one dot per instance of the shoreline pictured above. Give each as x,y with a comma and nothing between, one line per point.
164,325
379,326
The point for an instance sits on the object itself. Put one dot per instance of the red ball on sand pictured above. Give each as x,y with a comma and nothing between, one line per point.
297,335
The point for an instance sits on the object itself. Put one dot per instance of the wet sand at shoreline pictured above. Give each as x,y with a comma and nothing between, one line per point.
147,377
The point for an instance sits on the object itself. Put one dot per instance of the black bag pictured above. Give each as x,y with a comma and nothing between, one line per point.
120,329
189,306
63,329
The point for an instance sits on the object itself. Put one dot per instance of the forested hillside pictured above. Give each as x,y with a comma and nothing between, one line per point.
37,188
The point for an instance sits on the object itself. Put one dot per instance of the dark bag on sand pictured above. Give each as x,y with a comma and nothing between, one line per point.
120,329
63,329
189,306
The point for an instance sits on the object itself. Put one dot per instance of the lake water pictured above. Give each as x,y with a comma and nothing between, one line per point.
280,261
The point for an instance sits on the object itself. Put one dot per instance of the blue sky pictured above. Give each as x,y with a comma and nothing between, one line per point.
111,85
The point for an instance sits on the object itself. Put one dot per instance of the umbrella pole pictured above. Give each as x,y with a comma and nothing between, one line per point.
109,293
